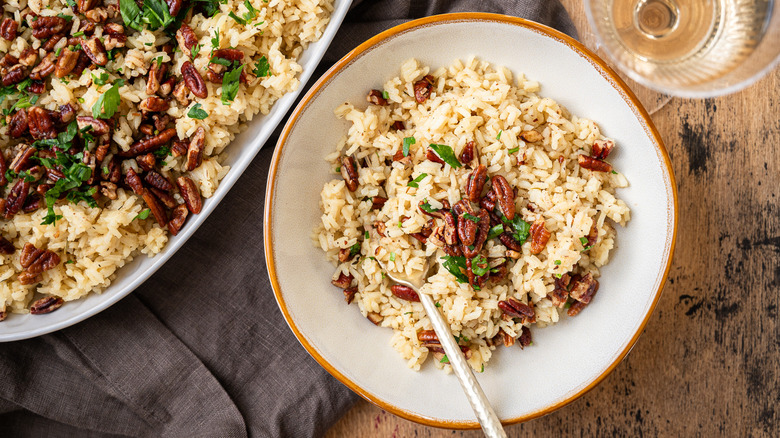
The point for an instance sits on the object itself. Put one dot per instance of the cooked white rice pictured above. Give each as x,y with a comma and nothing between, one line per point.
92,242
470,101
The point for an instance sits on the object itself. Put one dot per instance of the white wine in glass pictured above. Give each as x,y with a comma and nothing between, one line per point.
689,48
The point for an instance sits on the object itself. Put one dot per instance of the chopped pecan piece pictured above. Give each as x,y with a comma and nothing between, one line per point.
515,308
377,202
150,144
158,181
8,29
44,68
45,305
584,288
14,75
398,125
6,247
156,73
190,193
82,63
45,27
186,39
16,197
525,338
36,261
375,318
36,87
576,308
40,123
602,148
153,104
531,136
593,164
180,92
28,57
345,255
349,172
164,197
428,336
194,80
344,280
404,292
3,169
229,54
422,88
375,97
482,233
146,161
94,49
380,228
66,62
154,205
349,294
593,235
174,6
475,183
17,123
467,155
97,126
195,148
179,216
506,338
22,159
539,236
450,229
432,156
108,189
488,202
560,293
505,196
86,5
467,228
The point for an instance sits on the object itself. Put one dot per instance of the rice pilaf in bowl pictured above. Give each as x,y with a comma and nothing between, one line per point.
117,117
505,188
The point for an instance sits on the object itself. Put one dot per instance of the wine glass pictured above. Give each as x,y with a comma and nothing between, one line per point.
689,48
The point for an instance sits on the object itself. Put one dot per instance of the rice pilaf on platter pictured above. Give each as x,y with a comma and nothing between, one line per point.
116,115
510,192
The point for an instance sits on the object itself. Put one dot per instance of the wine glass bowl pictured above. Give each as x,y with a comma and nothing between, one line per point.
689,48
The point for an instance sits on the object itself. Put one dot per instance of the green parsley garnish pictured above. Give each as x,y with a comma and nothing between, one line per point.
385,95
425,206
195,50
416,182
557,262
79,33
57,52
495,231
262,67
471,217
513,150
520,228
108,102
65,17
70,262
445,153
475,262
498,137
156,14
367,234
483,368
143,215
438,304
100,80
197,112
614,172
456,266
408,141
354,249
444,359
230,84
392,256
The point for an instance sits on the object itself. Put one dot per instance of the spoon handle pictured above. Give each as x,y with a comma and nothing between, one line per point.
479,402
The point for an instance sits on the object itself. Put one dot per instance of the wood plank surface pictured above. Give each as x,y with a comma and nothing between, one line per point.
708,363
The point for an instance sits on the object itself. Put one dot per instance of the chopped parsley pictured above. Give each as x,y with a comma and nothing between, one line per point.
79,33
262,67
57,52
495,231
513,150
248,16
197,112
156,14
392,256
425,206
195,50
416,182
557,262
108,102
367,234
614,172
444,359
475,262
65,17
131,14
408,141
230,84
520,228
143,215
214,42
483,368
585,245
498,137
162,152
69,262
354,249
471,217
385,95
445,153
438,304
456,266
100,80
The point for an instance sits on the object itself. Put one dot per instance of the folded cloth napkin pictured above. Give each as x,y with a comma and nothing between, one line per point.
201,348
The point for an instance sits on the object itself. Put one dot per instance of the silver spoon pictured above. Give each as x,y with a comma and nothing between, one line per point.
486,416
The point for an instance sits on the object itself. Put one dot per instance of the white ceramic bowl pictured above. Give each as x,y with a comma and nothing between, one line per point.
239,154
566,359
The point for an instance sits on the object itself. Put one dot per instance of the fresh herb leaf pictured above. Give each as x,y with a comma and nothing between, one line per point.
131,14
262,67
230,84
367,235
79,33
143,215
392,256
162,152
238,19
456,266
108,102
475,265
583,241
156,14
354,249
471,217
57,52
513,150
445,153
385,95
438,304
197,112
214,42
483,368
408,313
425,206
444,359
495,231
408,141
416,182
70,262
65,17
520,228
557,262
614,172
251,11
195,50
498,137
100,80
210,7
220,61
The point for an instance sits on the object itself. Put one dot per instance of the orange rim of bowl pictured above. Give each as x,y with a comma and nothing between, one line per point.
572,44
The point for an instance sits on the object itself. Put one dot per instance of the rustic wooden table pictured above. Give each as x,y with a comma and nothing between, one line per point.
708,362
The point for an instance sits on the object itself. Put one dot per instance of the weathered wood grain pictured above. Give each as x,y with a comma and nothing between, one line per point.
708,363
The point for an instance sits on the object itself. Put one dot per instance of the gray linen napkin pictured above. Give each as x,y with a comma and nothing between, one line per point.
201,349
